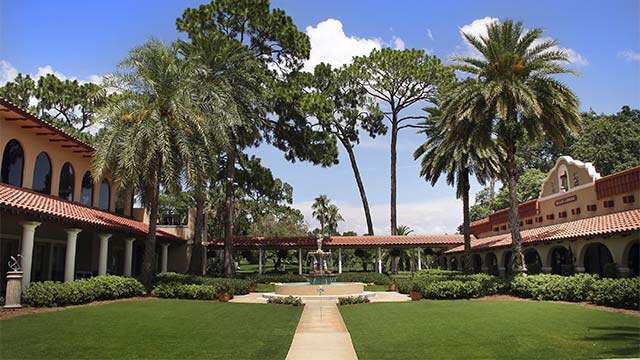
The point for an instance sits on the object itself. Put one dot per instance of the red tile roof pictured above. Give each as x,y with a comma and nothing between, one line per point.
344,241
618,183
598,225
24,200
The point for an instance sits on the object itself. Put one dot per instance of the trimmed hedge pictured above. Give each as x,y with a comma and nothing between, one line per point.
621,293
352,300
230,285
289,300
275,278
365,277
176,290
105,287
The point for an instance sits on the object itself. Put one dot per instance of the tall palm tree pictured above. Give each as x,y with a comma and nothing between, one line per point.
152,128
513,83
333,217
458,152
321,211
396,254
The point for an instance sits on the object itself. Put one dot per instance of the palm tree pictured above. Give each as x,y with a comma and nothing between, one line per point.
458,152
513,84
152,128
333,217
321,211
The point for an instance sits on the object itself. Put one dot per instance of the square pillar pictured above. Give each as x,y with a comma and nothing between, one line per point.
260,261
379,260
339,260
128,255
165,257
419,259
70,254
299,261
102,256
28,238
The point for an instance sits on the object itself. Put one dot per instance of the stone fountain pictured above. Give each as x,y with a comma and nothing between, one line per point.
320,273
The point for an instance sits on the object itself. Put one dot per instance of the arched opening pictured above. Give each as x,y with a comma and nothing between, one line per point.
42,174
492,264
454,263
533,261
120,201
558,258
105,195
86,192
476,261
596,257
12,163
506,260
67,180
634,261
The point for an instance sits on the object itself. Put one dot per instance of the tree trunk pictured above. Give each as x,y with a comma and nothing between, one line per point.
514,220
464,184
394,265
198,251
363,195
394,142
148,260
230,171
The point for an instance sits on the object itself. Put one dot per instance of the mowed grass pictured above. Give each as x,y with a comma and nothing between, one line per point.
462,329
153,329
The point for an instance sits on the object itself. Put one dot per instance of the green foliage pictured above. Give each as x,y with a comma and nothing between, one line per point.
1,301
276,278
289,300
553,287
230,285
19,91
175,290
353,300
105,287
446,284
365,277
529,185
215,266
327,214
620,293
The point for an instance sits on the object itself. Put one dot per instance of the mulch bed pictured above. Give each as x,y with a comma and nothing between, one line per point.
9,313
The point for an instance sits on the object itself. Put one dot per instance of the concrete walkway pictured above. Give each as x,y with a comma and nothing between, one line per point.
321,334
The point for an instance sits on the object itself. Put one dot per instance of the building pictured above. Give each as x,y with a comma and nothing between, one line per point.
63,224
580,218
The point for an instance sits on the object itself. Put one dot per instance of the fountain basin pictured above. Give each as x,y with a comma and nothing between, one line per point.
308,289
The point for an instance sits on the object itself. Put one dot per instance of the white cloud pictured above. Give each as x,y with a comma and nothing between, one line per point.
329,44
429,34
630,55
7,72
46,70
437,216
398,43
478,28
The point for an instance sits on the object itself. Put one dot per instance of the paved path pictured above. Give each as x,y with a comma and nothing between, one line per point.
321,334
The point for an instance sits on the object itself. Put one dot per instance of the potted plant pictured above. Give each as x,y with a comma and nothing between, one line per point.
224,292
416,292
253,286
393,286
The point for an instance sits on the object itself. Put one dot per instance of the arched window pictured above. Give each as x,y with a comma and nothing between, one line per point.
12,163
65,191
105,193
42,174
86,193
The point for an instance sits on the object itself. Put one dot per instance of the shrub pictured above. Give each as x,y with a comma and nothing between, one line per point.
276,278
365,277
232,286
215,266
289,300
452,289
405,286
620,293
553,287
105,287
175,290
352,300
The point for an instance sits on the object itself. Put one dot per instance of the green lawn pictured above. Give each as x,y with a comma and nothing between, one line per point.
463,329
179,329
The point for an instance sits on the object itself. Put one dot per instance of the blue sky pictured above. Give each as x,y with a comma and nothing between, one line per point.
86,39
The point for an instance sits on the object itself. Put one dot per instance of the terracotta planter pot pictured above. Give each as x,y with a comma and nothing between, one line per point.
252,288
224,297
393,287
415,295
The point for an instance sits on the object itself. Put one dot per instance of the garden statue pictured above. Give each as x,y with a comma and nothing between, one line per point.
14,284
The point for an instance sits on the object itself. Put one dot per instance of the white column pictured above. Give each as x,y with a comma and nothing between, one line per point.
28,235
70,254
102,257
339,260
419,259
379,260
299,261
128,255
165,257
260,262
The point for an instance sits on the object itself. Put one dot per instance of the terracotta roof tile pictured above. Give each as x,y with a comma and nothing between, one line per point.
15,198
599,225
344,241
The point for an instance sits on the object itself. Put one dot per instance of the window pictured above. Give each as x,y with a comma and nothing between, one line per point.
550,217
496,229
503,227
65,191
539,219
575,211
105,192
12,163
529,221
42,174
628,199
521,223
591,207
86,193
562,214
608,204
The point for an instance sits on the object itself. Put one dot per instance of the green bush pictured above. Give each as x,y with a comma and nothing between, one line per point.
175,290
105,287
405,286
554,287
452,289
289,300
365,277
276,278
215,267
620,293
232,286
352,300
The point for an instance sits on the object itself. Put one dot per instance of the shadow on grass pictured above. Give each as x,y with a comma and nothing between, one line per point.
619,338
